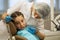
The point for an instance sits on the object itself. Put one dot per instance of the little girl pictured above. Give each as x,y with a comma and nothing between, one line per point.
24,30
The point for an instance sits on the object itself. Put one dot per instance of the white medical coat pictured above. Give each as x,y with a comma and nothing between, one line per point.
23,6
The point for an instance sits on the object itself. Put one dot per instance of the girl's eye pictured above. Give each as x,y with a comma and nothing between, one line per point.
21,20
17,22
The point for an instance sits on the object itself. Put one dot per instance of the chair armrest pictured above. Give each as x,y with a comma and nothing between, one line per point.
20,37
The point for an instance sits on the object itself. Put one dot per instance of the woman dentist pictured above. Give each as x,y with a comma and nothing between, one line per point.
23,6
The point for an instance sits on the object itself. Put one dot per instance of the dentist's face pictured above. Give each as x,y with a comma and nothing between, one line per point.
36,15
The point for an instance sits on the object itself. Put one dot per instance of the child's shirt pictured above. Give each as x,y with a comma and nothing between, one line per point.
29,33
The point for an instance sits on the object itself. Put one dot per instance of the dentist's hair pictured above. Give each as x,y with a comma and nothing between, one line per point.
42,8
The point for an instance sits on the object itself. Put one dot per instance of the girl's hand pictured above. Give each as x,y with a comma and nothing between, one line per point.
4,15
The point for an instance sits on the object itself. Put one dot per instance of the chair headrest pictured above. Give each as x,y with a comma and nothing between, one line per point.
12,28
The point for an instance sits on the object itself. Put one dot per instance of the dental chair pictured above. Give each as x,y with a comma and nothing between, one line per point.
12,30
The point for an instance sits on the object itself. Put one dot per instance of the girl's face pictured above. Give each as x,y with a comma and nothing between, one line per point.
20,22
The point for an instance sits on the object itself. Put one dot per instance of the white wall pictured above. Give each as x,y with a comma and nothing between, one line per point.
59,4
46,1
12,2
1,4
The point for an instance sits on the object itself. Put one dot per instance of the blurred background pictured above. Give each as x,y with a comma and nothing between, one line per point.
5,4
55,11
